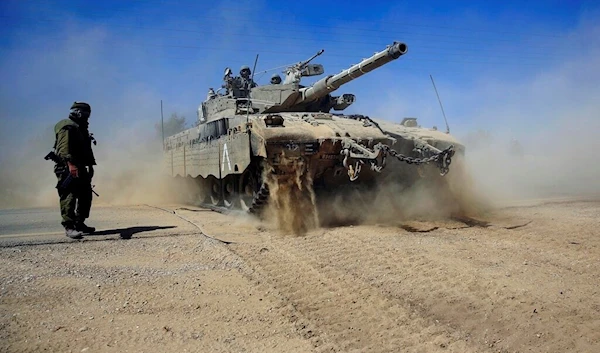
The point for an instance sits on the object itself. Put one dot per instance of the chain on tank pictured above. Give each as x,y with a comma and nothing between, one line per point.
442,159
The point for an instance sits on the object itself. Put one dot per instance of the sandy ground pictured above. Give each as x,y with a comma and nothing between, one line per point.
525,282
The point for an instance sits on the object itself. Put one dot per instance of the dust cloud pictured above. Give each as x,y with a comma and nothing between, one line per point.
552,163
130,170
26,179
406,196
538,138
292,199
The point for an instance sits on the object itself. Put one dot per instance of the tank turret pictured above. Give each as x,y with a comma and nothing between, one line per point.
290,95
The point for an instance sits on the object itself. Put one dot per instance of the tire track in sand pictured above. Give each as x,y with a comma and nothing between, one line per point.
461,301
332,308
378,288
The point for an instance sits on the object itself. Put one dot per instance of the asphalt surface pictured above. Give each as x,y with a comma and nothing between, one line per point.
42,225
15,222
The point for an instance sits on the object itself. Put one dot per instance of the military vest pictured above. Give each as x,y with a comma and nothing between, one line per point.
78,141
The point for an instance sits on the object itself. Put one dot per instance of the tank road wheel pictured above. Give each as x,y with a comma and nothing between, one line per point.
260,199
215,191
229,191
249,187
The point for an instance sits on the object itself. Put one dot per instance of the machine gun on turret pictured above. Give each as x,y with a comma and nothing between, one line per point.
295,72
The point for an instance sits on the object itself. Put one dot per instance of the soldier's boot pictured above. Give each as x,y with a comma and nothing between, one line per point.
73,233
84,229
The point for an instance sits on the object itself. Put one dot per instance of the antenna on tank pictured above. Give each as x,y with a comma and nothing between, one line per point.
439,100
251,80
162,124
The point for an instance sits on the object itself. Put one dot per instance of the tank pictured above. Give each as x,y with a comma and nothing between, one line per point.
285,143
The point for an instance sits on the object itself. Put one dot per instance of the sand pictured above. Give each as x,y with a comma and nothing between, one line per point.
525,280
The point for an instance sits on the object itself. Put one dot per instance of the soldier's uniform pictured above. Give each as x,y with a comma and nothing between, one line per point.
246,81
243,83
74,145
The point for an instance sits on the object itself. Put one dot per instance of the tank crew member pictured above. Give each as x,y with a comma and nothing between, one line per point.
240,85
246,81
211,94
275,79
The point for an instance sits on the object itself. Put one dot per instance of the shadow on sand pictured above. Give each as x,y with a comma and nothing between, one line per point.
124,233
127,233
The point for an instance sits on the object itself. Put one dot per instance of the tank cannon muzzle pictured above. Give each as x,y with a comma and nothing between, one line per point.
397,49
330,83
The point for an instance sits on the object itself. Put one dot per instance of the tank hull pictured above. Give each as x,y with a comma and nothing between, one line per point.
233,164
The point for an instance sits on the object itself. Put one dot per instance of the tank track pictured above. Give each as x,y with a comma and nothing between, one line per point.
260,199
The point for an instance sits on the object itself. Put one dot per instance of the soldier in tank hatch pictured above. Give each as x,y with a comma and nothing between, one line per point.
275,79
246,79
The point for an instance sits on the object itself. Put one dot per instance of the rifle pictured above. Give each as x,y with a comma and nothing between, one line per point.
52,156
69,178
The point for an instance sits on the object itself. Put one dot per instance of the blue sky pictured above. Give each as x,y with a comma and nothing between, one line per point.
511,66
59,51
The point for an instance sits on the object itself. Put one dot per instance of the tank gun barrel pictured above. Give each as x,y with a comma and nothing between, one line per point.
330,83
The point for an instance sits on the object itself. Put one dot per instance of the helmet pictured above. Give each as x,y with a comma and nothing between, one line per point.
80,110
81,106
275,79
245,70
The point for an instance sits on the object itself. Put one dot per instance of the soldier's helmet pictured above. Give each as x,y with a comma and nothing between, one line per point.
80,110
275,79
245,71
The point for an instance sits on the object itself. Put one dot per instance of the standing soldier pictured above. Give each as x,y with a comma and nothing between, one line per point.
73,146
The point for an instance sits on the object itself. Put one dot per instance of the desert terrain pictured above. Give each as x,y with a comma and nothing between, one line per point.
499,255
193,280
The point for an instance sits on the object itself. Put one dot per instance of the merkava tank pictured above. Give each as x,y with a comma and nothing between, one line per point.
253,138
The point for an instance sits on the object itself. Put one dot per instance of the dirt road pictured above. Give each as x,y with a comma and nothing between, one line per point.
525,282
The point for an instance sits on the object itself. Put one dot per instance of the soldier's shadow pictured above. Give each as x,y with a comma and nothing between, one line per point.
127,233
